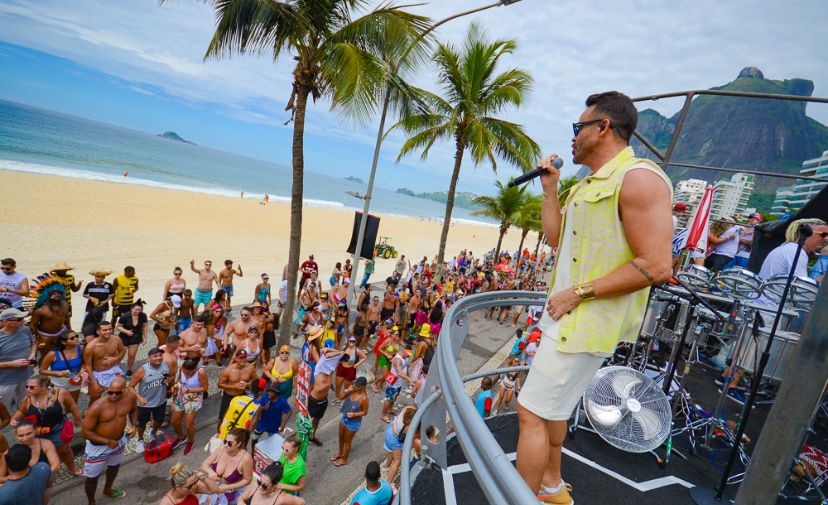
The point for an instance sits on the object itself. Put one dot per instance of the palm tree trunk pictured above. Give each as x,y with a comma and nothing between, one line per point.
295,211
455,175
537,246
502,233
522,239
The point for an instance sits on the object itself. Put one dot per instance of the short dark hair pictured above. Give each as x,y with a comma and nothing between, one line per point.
173,339
9,262
274,472
201,318
102,324
189,364
619,109
129,270
18,456
372,471
228,262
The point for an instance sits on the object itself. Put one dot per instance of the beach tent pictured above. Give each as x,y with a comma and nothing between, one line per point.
768,236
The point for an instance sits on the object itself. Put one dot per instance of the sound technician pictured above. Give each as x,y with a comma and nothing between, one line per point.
614,236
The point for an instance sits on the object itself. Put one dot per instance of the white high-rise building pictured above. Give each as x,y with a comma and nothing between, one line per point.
731,197
689,192
805,190
782,200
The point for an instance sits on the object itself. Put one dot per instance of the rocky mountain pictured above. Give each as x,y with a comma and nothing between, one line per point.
750,133
461,198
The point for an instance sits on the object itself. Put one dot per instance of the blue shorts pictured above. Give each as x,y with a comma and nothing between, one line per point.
203,297
392,440
54,435
391,394
352,424
183,324
228,290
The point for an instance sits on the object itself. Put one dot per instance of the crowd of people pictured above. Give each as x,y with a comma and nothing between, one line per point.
382,347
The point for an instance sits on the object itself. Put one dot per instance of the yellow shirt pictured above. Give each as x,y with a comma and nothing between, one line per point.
599,246
125,292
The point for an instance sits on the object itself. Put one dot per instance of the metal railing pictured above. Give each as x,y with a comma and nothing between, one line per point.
495,474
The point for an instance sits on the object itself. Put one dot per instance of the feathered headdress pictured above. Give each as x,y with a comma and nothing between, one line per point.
44,286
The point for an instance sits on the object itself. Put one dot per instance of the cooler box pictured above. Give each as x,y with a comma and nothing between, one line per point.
267,451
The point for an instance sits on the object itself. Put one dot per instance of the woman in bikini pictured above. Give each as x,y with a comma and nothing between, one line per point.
165,321
346,371
252,344
176,285
281,370
387,352
267,492
186,484
231,466
336,274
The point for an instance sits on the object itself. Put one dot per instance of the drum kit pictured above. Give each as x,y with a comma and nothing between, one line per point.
723,317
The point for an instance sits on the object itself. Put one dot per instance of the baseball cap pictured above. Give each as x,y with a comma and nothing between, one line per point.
12,313
352,339
176,301
680,207
241,354
154,350
389,321
273,387
284,348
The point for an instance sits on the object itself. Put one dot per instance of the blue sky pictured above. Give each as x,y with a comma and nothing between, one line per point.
139,65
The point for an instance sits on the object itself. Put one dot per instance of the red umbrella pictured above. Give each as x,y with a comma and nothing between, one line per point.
699,222
507,269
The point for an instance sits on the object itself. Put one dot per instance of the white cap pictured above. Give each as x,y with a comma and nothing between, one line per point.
176,301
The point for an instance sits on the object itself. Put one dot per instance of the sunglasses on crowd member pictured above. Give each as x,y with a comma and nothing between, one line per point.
115,393
6,269
262,484
577,127
229,442
823,234
284,352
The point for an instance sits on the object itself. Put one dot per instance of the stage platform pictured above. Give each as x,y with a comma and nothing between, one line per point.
601,474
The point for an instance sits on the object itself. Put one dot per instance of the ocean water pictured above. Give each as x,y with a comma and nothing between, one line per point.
46,142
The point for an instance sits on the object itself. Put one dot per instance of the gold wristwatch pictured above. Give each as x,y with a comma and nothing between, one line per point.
585,291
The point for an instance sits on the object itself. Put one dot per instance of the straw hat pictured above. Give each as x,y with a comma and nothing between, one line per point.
99,272
62,266
314,333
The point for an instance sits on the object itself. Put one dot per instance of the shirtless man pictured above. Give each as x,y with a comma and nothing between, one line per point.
390,303
49,321
234,380
103,429
237,330
186,311
193,342
414,304
171,354
226,278
322,377
101,359
206,279
372,315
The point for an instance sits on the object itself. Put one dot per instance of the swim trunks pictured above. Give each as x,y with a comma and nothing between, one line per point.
317,408
203,296
228,289
105,377
100,456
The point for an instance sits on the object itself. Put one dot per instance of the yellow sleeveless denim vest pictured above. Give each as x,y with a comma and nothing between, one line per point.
599,246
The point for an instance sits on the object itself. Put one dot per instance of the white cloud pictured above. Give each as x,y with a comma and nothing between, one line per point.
572,48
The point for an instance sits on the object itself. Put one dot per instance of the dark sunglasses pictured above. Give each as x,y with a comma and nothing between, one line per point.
822,234
17,319
284,353
576,127
115,393
228,442
262,484
30,387
5,269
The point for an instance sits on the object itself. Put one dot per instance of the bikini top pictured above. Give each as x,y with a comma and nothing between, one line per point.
250,500
286,375
234,476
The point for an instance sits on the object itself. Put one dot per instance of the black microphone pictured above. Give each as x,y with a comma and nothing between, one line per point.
528,176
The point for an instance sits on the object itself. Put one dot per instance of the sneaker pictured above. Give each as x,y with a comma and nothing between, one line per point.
179,442
139,446
720,381
736,396
560,497
128,374
315,441
188,447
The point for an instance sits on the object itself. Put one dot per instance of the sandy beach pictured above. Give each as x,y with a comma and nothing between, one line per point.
94,224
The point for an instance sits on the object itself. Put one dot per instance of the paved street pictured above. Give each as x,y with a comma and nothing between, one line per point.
327,485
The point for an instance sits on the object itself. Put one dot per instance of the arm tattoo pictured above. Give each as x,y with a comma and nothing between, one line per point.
643,271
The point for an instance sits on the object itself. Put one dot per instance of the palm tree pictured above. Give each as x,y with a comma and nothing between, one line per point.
334,56
473,94
505,206
528,217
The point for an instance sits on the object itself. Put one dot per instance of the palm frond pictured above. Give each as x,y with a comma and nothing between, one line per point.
254,26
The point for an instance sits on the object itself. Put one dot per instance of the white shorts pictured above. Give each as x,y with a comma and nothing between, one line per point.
557,380
98,457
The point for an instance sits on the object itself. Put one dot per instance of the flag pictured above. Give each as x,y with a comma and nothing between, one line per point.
699,223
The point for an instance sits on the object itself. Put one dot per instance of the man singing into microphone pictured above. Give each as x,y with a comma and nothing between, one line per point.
614,236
